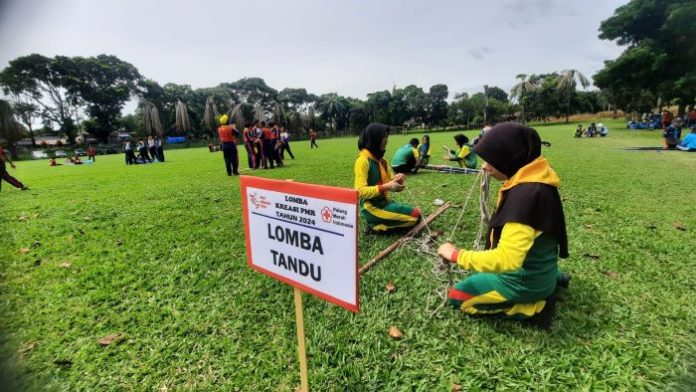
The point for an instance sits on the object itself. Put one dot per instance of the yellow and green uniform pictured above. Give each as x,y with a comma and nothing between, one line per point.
465,156
376,205
520,270
404,154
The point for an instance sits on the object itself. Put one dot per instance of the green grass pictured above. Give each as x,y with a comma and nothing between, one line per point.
156,253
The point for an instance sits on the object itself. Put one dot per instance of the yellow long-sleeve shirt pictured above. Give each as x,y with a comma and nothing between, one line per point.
515,241
370,175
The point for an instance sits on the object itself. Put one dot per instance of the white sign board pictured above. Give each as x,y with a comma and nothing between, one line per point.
304,235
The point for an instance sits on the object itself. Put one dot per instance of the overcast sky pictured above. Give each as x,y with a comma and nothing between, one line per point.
352,47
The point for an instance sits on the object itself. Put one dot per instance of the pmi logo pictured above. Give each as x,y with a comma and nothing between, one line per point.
326,214
258,201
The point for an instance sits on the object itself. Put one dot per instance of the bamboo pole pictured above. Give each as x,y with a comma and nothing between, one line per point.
411,233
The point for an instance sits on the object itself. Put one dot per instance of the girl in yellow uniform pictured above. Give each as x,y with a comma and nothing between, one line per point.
518,272
375,181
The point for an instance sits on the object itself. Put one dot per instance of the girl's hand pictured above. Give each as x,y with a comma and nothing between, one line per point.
445,250
400,178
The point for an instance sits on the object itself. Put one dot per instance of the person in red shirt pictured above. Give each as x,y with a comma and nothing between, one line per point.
91,153
277,142
4,175
313,138
228,145
268,146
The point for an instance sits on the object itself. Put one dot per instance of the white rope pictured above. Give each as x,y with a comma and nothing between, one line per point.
466,203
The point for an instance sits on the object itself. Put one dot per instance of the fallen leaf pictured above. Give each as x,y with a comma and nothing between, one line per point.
435,234
611,274
390,287
594,257
438,202
22,218
589,225
456,387
65,264
27,347
395,333
680,226
109,339
23,250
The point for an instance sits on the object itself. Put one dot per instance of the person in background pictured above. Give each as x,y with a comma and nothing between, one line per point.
52,162
248,137
689,142
277,144
130,154
465,156
152,148
159,149
142,151
603,130
671,135
518,272
591,130
406,159
92,153
375,181
424,150
285,138
4,175
579,131
228,139
313,138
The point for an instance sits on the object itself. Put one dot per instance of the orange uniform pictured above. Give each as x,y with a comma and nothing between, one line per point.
227,134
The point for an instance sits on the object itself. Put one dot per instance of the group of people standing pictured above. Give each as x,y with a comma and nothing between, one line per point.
149,150
265,144
518,272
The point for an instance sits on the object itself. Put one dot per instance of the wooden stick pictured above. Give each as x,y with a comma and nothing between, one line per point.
301,351
411,233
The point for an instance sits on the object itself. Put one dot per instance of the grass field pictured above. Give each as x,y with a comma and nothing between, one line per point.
156,253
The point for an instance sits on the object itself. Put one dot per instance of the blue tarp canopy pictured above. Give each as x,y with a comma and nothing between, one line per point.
176,139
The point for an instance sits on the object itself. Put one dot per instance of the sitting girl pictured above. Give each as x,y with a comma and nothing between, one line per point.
374,181
465,156
518,272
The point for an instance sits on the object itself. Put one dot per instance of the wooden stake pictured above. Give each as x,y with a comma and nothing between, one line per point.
301,352
411,233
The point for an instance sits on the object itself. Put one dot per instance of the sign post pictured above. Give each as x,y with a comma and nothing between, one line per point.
304,235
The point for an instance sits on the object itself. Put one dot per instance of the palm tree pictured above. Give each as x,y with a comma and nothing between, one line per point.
183,121
331,107
520,90
566,85
210,115
236,113
151,119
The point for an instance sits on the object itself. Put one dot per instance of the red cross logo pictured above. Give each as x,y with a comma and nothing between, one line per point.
326,214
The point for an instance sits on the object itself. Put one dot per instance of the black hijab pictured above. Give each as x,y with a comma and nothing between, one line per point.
508,147
371,139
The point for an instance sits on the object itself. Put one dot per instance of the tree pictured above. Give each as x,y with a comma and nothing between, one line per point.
566,85
151,119
10,129
520,90
43,81
27,113
330,108
437,103
183,120
497,93
210,116
104,83
660,58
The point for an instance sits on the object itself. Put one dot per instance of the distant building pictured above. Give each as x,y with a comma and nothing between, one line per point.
49,141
